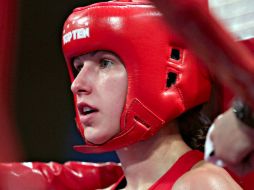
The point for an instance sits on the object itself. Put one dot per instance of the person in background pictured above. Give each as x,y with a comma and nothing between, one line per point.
232,133
232,139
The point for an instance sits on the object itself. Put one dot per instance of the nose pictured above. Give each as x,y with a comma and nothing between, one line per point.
82,83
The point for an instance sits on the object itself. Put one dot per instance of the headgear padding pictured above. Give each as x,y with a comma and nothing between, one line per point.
164,78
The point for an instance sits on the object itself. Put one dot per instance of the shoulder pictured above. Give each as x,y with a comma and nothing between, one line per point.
206,176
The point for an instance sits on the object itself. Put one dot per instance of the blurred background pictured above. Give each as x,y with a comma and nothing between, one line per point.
37,117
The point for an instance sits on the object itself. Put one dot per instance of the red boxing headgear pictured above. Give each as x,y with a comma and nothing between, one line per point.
164,79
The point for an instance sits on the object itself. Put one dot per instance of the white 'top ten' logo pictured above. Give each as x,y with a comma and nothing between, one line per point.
76,34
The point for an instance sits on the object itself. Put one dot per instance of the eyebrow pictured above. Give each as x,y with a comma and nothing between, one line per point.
91,53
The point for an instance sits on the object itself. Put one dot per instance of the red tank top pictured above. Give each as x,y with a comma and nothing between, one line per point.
181,166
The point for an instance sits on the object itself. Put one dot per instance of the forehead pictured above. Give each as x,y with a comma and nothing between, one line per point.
97,54
87,55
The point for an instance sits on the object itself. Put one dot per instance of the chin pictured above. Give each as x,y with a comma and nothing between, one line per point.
98,135
95,139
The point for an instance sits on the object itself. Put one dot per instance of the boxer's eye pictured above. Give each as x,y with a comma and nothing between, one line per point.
78,66
105,63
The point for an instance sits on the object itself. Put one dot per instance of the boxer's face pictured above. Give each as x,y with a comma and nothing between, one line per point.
101,88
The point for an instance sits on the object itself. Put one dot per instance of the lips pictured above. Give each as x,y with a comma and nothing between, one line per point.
86,109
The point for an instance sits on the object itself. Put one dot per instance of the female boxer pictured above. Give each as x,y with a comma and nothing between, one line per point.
139,91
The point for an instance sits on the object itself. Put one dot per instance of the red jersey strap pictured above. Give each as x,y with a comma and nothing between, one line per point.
238,179
181,166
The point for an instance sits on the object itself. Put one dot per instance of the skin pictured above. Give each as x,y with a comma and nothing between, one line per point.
101,80
206,176
143,168
233,143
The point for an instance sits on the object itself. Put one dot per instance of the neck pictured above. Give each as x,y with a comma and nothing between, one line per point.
145,162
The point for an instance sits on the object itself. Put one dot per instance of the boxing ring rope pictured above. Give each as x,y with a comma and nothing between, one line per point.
9,149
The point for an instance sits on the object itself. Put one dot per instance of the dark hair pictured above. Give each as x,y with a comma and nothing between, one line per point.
194,124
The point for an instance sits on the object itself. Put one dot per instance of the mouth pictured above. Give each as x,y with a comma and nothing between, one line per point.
86,109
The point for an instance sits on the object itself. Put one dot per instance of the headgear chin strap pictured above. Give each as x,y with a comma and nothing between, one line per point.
164,78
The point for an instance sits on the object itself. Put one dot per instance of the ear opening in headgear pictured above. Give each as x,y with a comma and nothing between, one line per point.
175,54
171,79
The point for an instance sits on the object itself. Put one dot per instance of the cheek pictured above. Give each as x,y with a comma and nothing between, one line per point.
115,91
118,90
